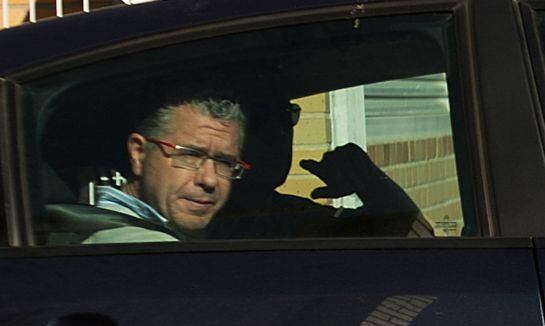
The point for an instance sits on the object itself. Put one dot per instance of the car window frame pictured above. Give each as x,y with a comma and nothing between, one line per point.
481,193
536,51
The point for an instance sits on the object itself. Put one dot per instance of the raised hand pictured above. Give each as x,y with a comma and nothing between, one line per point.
343,170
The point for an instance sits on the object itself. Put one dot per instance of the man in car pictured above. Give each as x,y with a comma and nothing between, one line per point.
183,159
257,210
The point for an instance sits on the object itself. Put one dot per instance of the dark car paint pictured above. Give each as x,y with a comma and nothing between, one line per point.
112,26
472,282
468,281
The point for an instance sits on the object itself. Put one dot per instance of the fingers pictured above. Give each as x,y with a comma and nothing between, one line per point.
314,167
311,166
329,192
322,192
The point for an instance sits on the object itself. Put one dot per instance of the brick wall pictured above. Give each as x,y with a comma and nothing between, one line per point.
426,169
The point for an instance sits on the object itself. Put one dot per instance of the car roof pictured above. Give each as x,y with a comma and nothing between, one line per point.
52,39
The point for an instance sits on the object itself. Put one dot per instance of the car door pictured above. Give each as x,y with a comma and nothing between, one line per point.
422,79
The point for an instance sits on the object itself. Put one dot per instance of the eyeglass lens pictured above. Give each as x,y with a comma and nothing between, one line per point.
193,159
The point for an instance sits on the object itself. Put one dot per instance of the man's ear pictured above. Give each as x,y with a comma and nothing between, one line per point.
137,152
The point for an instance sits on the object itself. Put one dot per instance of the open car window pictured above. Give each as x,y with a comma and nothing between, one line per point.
353,130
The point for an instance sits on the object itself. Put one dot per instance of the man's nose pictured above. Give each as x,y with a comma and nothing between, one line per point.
206,175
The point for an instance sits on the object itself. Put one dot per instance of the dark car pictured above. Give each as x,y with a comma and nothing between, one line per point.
433,109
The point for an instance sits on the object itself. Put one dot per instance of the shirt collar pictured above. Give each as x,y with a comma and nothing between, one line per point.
107,195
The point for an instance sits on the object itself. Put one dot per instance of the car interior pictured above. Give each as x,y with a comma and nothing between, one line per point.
80,118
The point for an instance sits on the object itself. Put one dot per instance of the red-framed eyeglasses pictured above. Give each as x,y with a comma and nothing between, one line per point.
193,159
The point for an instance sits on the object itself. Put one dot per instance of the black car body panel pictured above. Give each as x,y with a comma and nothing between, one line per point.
473,286
367,281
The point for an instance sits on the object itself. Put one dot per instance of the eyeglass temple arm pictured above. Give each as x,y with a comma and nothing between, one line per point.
157,141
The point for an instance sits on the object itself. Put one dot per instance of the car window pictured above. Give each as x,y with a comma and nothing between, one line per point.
352,130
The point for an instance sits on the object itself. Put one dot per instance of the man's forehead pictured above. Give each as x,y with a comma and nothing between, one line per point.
191,125
189,118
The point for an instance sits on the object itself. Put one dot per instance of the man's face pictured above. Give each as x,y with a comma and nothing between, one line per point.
189,198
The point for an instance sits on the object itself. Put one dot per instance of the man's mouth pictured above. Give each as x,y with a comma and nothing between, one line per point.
200,203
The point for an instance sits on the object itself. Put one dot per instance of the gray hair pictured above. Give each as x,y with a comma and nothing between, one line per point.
158,124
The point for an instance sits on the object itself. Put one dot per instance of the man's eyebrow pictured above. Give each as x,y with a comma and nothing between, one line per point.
221,156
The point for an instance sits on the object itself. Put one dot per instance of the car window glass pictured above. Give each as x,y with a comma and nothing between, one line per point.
366,107
404,125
